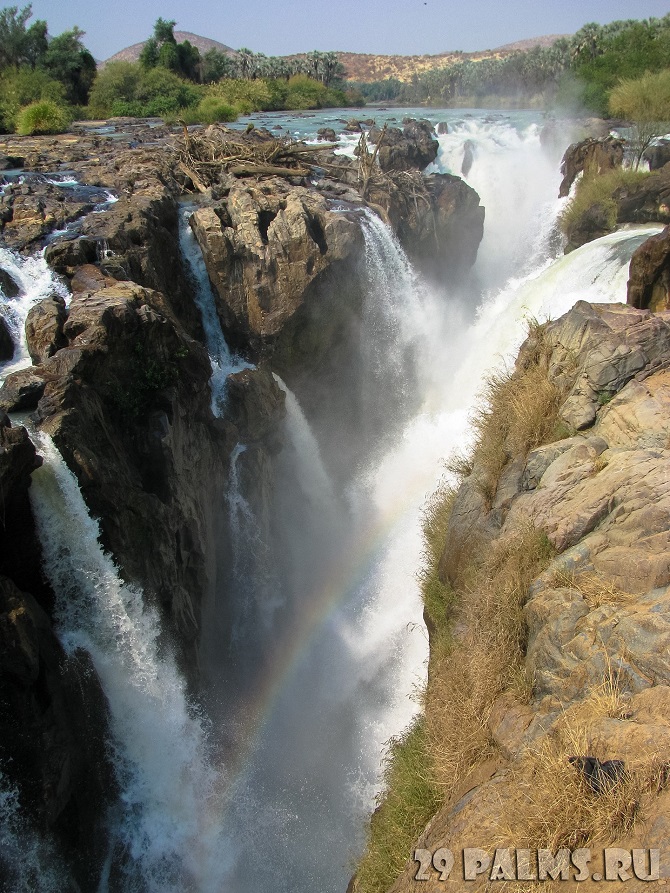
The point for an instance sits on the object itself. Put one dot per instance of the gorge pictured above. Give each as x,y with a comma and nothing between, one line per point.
242,396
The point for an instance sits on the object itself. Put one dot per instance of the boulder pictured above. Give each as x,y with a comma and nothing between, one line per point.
442,231
442,127
44,328
10,287
267,250
657,155
327,134
649,277
590,157
21,390
412,148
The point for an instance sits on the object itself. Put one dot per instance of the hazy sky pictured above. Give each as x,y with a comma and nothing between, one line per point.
372,26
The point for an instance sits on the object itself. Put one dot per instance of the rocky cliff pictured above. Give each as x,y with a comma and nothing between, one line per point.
547,709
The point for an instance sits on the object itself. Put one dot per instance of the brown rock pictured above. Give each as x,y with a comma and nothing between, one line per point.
649,282
44,328
21,390
412,148
266,252
590,157
89,278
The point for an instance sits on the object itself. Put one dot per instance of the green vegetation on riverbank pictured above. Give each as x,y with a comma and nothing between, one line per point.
575,73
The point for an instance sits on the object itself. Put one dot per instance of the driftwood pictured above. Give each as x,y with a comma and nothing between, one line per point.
204,155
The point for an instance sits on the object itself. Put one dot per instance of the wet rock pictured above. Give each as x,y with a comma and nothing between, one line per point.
590,157
327,134
53,734
44,328
441,231
36,209
649,280
6,340
443,127
21,390
657,155
65,255
10,287
468,157
90,278
412,148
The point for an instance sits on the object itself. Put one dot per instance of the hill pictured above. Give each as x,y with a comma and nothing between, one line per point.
132,53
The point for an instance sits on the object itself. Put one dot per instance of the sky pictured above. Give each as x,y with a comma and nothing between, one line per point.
404,27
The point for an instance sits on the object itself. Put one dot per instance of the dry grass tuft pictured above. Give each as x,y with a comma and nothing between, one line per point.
553,805
518,412
487,660
593,588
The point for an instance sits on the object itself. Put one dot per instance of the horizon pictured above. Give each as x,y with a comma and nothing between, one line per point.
408,28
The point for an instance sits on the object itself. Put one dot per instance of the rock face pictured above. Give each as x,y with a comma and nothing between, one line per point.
590,157
658,155
52,711
412,148
649,282
442,232
597,631
127,403
44,328
268,249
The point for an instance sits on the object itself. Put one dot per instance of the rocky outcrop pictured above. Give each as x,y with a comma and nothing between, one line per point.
597,635
412,148
269,249
657,155
437,218
44,328
590,157
649,281
34,208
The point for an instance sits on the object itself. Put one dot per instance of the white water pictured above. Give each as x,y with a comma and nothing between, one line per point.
36,282
165,835
223,361
295,815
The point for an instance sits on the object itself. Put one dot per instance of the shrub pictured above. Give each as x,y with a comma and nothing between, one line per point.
246,96
22,86
646,102
115,83
212,110
43,117
598,190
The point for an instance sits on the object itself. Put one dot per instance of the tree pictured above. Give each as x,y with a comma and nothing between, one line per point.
163,51
68,60
644,101
18,44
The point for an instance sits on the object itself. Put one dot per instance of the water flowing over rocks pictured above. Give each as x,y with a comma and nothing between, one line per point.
597,616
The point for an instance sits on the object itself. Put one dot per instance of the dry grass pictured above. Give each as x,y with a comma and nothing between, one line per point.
593,588
599,190
518,412
487,660
552,804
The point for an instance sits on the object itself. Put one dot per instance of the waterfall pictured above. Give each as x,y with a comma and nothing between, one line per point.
324,625
517,182
28,864
35,281
165,839
223,361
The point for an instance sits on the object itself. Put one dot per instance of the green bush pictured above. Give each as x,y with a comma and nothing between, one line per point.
21,86
213,109
115,83
598,190
43,117
246,96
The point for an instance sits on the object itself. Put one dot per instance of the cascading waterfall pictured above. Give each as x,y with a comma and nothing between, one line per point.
290,816
222,359
35,282
163,837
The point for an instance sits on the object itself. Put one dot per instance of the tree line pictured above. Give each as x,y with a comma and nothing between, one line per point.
576,72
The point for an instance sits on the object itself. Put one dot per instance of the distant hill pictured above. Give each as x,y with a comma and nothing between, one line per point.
132,53
521,45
